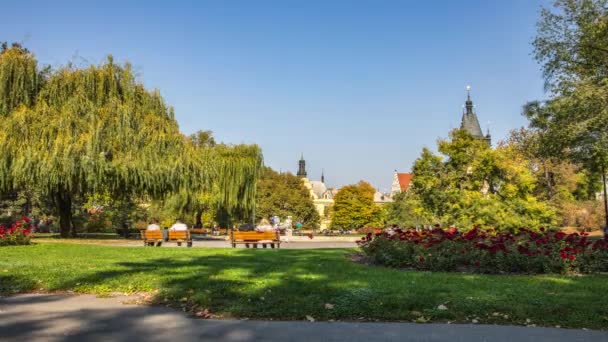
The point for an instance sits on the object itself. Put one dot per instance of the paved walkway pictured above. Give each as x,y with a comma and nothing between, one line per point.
226,244
41,317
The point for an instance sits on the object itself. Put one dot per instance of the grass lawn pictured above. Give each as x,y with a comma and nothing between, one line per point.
291,284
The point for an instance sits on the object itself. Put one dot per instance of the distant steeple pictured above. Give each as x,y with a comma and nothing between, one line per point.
322,176
469,122
302,167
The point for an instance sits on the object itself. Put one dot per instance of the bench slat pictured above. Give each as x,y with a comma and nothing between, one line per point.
254,236
153,234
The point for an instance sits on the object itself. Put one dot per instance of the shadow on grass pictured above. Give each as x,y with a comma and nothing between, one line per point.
293,284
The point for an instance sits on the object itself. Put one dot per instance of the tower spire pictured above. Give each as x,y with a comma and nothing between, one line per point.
322,176
469,102
470,123
302,167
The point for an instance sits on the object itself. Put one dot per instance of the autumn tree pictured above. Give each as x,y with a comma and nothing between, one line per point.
354,208
572,46
472,184
283,194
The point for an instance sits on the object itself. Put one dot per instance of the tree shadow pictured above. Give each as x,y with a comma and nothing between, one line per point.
293,284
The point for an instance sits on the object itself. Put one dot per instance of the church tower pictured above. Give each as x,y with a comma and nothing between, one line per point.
302,168
470,123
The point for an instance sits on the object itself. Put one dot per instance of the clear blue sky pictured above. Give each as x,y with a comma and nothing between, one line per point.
359,87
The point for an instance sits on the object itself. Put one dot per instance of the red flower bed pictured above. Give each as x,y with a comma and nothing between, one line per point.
480,251
17,234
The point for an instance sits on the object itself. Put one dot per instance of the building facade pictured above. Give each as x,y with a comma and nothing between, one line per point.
322,196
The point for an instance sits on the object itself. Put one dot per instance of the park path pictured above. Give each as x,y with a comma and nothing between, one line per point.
312,244
54,317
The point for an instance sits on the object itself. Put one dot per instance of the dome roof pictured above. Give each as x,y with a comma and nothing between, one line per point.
318,188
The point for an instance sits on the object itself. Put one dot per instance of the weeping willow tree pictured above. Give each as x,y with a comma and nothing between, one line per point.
231,193
20,79
97,129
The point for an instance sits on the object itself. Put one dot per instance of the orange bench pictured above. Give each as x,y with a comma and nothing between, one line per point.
180,236
152,237
203,231
255,238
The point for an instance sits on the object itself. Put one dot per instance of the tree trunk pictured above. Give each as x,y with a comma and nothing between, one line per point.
124,216
199,222
605,202
63,201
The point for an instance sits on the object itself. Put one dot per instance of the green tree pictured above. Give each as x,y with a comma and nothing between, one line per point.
407,210
572,46
20,77
284,194
97,129
354,208
472,184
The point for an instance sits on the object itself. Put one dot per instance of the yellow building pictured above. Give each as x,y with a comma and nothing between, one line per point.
322,196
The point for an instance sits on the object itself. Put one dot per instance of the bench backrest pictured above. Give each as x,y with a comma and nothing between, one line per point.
255,236
179,235
153,234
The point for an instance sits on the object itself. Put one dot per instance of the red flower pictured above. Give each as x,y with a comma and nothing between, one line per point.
560,235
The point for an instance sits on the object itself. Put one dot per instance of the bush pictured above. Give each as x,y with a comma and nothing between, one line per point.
19,233
480,251
367,230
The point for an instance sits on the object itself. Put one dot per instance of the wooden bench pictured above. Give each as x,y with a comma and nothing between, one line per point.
180,236
254,238
202,231
152,237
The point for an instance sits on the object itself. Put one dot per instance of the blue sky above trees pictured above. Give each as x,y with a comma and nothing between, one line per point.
359,87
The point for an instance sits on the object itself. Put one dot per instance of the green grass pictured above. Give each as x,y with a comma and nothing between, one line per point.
290,284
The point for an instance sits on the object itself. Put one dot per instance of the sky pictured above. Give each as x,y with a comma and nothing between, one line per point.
357,87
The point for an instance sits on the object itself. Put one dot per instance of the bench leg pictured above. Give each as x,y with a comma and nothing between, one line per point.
158,244
234,245
189,244
255,245
179,244
264,245
272,245
246,245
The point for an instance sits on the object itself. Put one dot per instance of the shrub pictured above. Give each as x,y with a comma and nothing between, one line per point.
19,233
480,251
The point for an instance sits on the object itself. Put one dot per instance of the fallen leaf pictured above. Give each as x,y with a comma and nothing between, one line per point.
421,319
203,314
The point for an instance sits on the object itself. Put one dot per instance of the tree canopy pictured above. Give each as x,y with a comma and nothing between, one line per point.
572,46
283,194
354,208
472,184
97,129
